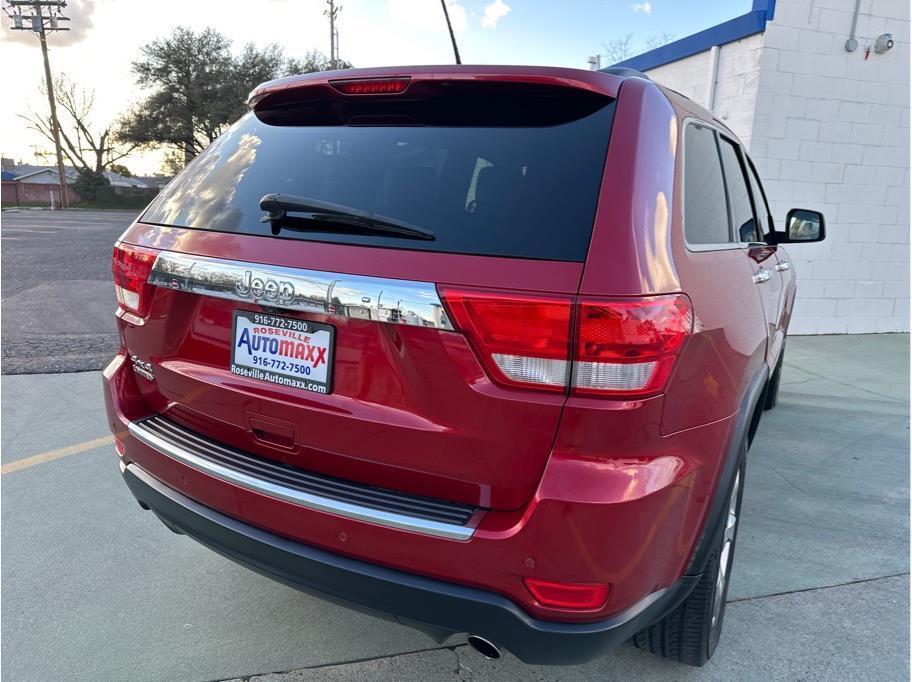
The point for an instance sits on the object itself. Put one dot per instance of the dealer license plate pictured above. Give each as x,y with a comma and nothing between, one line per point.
283,350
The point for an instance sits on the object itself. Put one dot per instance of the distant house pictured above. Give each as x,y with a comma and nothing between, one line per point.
118,180
47,175
42,175
156,180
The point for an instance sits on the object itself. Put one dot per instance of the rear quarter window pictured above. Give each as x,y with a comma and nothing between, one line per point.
504,190
705,205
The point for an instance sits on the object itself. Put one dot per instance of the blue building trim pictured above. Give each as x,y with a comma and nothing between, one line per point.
729,31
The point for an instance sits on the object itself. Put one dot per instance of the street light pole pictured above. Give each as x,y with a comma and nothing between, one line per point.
37,25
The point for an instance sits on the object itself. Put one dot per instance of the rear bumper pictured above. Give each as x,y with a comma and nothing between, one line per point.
411,599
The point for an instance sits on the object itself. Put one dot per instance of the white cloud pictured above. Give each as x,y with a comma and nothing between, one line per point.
458,16
644,7
493,13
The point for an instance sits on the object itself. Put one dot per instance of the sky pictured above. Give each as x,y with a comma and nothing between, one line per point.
107,35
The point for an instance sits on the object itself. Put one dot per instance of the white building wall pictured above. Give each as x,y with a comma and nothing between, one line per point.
831,132
736,81
828,130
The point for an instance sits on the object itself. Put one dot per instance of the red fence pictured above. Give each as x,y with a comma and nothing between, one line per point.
34,193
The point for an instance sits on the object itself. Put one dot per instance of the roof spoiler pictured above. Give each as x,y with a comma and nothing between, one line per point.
331,84
624,72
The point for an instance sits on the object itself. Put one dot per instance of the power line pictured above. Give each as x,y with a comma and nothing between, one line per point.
41,23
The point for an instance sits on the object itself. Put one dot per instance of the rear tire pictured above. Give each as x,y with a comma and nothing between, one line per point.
690,633
772,388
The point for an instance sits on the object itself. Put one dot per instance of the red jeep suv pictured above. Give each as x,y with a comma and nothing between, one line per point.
480,349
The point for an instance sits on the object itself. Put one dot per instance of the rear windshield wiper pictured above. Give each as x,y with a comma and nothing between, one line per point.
278,206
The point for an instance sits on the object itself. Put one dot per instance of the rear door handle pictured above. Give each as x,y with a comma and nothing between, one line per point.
782,265
762,275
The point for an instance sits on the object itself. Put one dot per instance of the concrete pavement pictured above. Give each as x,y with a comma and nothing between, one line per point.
773,638
94,588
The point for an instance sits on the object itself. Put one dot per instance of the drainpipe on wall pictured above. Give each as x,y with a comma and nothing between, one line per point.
713,77
852,43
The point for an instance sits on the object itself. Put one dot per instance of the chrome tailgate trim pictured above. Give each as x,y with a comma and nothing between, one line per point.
394,301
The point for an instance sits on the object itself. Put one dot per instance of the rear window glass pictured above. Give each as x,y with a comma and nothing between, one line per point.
503,190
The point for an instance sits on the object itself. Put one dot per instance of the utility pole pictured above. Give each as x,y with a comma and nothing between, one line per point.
332,12
42,23
446,15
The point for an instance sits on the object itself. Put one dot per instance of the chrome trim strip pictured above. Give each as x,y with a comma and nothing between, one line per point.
394,301
310,501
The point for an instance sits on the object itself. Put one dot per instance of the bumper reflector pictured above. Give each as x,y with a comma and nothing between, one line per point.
567,595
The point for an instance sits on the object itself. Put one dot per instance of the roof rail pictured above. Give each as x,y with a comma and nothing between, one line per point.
624,72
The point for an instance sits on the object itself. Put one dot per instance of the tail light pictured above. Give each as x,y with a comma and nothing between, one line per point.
629,346
523,340
567,595
622,348
131,266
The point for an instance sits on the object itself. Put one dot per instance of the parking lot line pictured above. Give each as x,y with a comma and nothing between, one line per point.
51,455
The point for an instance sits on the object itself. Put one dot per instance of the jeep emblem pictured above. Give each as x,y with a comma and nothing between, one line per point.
272,290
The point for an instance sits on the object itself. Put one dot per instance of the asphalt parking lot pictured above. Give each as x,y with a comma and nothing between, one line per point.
58,264
95,588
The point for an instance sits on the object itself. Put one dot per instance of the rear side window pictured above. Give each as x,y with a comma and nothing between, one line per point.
505,186
739,198
705,206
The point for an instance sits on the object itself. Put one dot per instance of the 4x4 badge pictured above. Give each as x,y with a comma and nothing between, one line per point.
142,368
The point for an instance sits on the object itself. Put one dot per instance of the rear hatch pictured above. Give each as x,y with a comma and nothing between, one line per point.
325,340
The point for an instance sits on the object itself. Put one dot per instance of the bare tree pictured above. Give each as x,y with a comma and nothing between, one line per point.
654,41
88,151
619,49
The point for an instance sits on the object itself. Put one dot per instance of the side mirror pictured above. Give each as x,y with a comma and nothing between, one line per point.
802,226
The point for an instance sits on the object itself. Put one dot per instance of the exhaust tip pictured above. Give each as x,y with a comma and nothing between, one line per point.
487,649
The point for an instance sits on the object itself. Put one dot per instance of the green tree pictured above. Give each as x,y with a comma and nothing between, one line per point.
197,87
92,186
316,61
172,164
120,169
